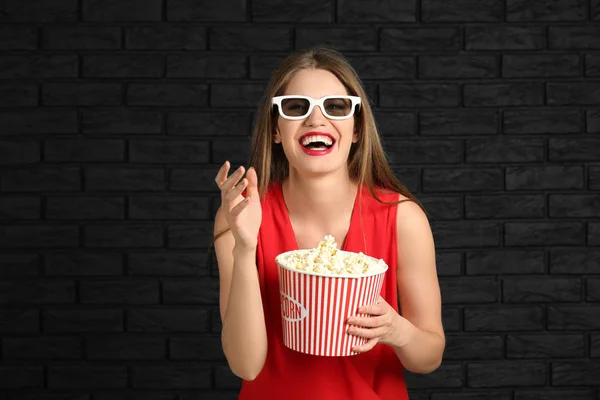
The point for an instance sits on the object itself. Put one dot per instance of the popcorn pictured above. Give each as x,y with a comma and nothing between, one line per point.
327,259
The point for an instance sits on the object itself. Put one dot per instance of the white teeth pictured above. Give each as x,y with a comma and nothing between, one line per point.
317,138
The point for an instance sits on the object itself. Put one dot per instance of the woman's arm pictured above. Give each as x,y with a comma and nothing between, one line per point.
244,335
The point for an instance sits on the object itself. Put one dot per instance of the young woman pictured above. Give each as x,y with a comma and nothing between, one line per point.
318,168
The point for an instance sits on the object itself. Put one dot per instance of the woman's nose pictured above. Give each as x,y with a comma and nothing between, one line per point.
316,117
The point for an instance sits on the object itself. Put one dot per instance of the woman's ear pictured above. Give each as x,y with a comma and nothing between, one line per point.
355,136
277,136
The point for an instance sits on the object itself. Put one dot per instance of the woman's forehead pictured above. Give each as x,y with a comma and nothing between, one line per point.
315,83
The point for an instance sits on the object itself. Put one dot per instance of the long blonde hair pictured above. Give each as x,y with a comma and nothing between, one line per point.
367,162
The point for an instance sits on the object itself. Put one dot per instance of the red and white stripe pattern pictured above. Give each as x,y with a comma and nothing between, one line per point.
314,310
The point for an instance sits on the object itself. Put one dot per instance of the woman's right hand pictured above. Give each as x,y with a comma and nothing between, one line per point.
244,215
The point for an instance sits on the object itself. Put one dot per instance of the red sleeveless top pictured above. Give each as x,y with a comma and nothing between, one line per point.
375,375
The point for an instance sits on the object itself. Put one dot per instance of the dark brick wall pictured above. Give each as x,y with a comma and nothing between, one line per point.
114,115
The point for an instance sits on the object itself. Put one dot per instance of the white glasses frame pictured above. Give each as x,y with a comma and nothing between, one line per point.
316,102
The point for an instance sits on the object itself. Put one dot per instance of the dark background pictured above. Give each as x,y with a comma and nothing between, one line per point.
114,115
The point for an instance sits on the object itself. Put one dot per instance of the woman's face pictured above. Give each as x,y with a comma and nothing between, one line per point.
316,144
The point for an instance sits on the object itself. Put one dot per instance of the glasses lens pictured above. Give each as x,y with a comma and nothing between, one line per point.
338,107
294,107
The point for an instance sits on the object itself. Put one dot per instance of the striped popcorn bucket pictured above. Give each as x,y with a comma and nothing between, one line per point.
315,308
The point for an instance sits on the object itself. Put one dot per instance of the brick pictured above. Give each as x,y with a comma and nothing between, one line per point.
462,10
167,94
446,376
217,324
458,122
514,37
19,265
21,377
461,179
121,121
169,207
20,207
573,149
18,94
418,152
201,291
574,205
504,206
495,318
451,318
442,207
473,395
84,150
194,179
384,67
492,262
503,150
82,94
350,11
572,93
250,39
206,66
230,123
82,320
38,66
206,10
87,376
121,10
168,151
409,177
196,348
225,379
19,151
38,122
593,238
134,395
582,37
469,290
574,262
81,38
167,263
595,345
128,179
236,151
542,121
448,264
18,321
236,95
540,10
506,373
595,10
123,66
167,320
83,263
119,292
583,317
165,37
419,39
197,235
541,65
211,395
544,233
35,291
592,65
15,37
390,123
544,177
296,11
592,290
39,11
49,348
462,347
574,373
175,376
125,348
419,95
466,234
43,236
457,67
540,290
340,38
262,66
504,94
553,394
124,235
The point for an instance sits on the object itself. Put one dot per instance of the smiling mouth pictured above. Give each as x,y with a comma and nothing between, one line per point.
317,142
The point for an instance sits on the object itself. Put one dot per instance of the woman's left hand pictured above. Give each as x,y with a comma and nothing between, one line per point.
384,325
